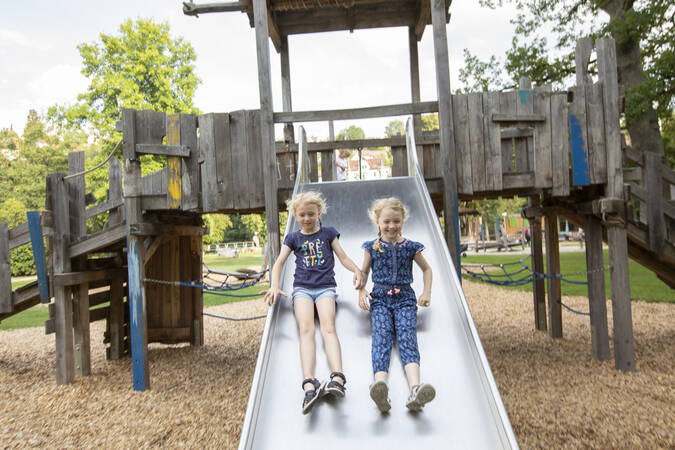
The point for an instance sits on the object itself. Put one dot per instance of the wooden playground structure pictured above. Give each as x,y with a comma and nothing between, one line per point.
564,151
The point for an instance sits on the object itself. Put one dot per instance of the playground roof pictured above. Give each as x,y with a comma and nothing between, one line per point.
288,17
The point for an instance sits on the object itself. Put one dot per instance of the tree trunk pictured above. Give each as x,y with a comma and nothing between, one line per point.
644,131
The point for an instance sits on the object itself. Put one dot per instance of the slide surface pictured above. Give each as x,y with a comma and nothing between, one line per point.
467,412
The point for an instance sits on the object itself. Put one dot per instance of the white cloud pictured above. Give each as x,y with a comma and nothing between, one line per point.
57,84
11,37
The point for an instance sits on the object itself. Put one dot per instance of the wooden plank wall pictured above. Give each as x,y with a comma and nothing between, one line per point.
231,161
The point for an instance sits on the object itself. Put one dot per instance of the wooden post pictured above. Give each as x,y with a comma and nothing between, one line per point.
116,319
553,267
173,164
5,271
286,104
78,228
331,137
115,191
624,345
267,125
446,132
197,294
62,294
596,288
415,92
536,250
134,215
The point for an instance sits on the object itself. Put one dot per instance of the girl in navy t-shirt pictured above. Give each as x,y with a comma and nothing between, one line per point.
314,246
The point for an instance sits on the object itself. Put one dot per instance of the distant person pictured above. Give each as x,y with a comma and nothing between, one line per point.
527,236
314,285
256,240
392,303
342,164
581,237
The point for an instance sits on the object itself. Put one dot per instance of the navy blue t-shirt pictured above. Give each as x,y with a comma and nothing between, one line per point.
314,260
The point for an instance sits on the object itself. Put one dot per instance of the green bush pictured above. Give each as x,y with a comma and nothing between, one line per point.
21,261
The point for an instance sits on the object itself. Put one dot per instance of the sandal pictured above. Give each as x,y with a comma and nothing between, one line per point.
335,388
311,395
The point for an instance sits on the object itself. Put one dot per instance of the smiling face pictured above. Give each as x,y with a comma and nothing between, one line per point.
390,223
307,214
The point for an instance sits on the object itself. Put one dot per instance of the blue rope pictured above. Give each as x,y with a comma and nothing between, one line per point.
575,311
507,279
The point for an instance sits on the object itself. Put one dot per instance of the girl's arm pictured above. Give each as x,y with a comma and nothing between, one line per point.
425,298
274,291
364,296
348,263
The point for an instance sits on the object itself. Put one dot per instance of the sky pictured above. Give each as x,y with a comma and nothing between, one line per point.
40,64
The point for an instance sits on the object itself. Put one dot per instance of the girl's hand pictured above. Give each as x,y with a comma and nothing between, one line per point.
364,298
272,294
424,300
358,280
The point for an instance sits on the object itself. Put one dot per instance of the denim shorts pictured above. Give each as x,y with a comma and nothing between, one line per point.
314,294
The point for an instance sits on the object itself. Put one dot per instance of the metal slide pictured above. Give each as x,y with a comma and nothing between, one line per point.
467,413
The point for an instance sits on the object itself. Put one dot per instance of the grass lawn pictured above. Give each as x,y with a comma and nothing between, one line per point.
644,285
36,316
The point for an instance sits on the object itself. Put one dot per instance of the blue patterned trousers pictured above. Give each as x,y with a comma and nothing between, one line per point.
393,316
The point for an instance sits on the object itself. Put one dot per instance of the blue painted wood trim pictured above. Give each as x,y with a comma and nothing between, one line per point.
580,170
35,231
136,307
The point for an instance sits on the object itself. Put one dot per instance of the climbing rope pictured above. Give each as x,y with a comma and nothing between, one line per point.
216,286
73,175
235,319
507,278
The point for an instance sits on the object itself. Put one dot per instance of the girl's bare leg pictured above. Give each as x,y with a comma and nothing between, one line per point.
304,316
381,376
412,373
326,309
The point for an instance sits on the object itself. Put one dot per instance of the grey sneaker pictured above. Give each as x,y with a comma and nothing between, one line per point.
420,395
379,392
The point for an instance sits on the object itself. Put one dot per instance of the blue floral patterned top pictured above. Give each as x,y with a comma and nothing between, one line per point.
392,266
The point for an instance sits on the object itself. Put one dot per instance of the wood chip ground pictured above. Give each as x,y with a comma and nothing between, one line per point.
556,395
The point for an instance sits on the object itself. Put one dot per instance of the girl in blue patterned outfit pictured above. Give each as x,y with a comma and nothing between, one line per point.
314,286
392,303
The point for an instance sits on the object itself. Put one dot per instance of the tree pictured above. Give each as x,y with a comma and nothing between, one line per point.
645,52
217,224
429,122
351,133
395,128
143,68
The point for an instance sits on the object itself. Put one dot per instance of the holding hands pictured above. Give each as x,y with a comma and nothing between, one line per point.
359,280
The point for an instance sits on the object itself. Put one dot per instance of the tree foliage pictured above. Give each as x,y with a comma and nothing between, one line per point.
143,67
395,128
351,133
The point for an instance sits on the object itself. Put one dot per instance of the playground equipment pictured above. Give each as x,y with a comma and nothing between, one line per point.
489,144
449,344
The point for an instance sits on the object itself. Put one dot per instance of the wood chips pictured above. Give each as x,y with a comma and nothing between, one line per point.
556,395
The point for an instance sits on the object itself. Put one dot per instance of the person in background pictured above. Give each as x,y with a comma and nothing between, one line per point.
342,164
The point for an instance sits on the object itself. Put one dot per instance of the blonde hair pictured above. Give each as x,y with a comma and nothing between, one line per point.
376,209
311,197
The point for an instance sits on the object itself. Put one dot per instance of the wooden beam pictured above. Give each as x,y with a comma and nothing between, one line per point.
176,150
356,113
192,9
596,288
508,118
415,91
157,229
5,271
75,278
552,268
624,344
103,207
446,131
62,295
99,240
536,250
267,124
423,18
275,36
136,271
